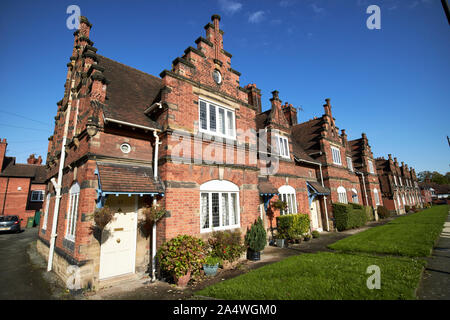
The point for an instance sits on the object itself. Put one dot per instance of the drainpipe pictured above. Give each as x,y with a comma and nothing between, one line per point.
324,199
57,185
155,174
364,185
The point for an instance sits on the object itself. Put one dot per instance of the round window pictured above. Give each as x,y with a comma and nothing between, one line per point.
217,76
125,148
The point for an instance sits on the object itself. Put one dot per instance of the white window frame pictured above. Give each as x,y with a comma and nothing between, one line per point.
288,195
283,146
401,182
350,164
72,212
342,195
217,108
40,195
220,187
336,154
47,206
355,192
395,180
376,196
371,168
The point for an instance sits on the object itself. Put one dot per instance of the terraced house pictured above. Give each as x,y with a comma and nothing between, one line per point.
399,185
348,166
192,139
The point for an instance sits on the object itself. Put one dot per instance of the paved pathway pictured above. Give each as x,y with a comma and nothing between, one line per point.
435,284
23,273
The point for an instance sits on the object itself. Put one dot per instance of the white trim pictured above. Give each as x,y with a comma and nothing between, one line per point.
47,206
217,106
288,195
336,155
219,185
283,148
342,193
41,192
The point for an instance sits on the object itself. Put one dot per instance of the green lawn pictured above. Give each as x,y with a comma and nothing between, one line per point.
342,274
412,235
323,276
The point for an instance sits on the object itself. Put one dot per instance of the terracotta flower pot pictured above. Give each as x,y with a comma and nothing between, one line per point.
183,280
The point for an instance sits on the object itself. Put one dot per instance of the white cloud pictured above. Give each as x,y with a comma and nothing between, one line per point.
256,17
317,9
230,6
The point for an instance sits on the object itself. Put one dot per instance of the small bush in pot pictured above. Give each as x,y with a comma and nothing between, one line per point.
182,257
255,240
211,265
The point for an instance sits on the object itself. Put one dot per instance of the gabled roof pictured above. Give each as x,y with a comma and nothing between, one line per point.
356,149
37,173
129,92
307,134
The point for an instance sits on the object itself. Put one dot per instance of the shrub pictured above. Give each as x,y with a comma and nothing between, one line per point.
369,213
356,206
227,245
407,209
292,226
182,254
383,212
255,239
315,234
348,218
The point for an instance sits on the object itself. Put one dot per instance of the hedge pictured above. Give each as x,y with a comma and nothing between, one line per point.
383,212
346,217
292,226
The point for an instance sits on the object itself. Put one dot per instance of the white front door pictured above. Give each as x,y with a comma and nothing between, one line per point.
315,211
118,248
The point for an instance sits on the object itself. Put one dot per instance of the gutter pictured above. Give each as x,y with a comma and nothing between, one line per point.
131,124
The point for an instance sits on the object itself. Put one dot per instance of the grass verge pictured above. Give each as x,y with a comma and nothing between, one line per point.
323,276
413,235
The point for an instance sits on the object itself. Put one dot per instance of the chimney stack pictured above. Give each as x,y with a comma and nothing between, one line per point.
254,97
3,145
290,113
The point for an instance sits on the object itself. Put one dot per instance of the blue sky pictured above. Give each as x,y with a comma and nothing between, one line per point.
391,83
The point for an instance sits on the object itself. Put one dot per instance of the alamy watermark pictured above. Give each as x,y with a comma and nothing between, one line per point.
374,20
73,21
374,280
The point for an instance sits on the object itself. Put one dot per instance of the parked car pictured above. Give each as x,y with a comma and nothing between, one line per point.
10,223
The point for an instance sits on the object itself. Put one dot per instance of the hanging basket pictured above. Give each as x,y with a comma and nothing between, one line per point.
151,216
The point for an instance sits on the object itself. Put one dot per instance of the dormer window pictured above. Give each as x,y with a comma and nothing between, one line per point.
283,146
336,153
216,120
371,166
349,164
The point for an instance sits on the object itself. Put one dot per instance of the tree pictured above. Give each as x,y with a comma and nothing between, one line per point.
434,176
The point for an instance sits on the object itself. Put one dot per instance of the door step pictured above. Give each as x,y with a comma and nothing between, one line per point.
118,281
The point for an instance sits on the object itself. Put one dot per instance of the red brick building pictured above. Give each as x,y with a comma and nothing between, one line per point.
22,186
399,185
347,166
195,141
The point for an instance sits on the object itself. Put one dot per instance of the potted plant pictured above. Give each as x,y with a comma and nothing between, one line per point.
315,234
102,216
307,237
211,265
280,239
151,215
182,257
255,239
280,205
